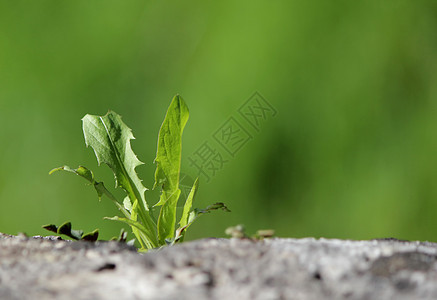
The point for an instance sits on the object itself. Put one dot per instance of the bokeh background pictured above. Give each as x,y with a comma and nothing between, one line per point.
351,152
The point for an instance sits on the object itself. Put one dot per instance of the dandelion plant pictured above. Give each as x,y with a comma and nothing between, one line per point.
110,139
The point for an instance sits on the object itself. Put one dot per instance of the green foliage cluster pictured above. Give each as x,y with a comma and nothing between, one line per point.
110,138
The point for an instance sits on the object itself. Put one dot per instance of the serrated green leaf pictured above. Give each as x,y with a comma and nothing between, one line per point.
110,138
168,164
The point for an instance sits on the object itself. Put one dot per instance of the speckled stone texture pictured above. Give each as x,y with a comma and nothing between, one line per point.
50,268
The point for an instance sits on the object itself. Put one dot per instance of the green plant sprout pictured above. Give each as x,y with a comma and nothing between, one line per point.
66,229
110,139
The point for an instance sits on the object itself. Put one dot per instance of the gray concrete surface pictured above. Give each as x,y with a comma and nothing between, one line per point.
49,268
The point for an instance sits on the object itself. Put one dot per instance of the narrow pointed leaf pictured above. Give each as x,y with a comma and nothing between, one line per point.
215,206
188,204
168,156
134,217
168,164
194,214
136,224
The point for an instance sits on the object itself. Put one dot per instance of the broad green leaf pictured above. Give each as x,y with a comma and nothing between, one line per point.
167,217
168,156
188,204
168,164
110,139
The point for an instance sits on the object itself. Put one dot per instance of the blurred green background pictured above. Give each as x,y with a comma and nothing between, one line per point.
351,152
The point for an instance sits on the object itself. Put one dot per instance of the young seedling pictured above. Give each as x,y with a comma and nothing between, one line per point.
66,229
110,139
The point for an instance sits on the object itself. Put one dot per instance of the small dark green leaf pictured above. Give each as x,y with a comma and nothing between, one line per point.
51,227
65,229
91,236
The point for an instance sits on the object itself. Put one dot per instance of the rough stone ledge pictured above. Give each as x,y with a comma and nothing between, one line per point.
51,268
